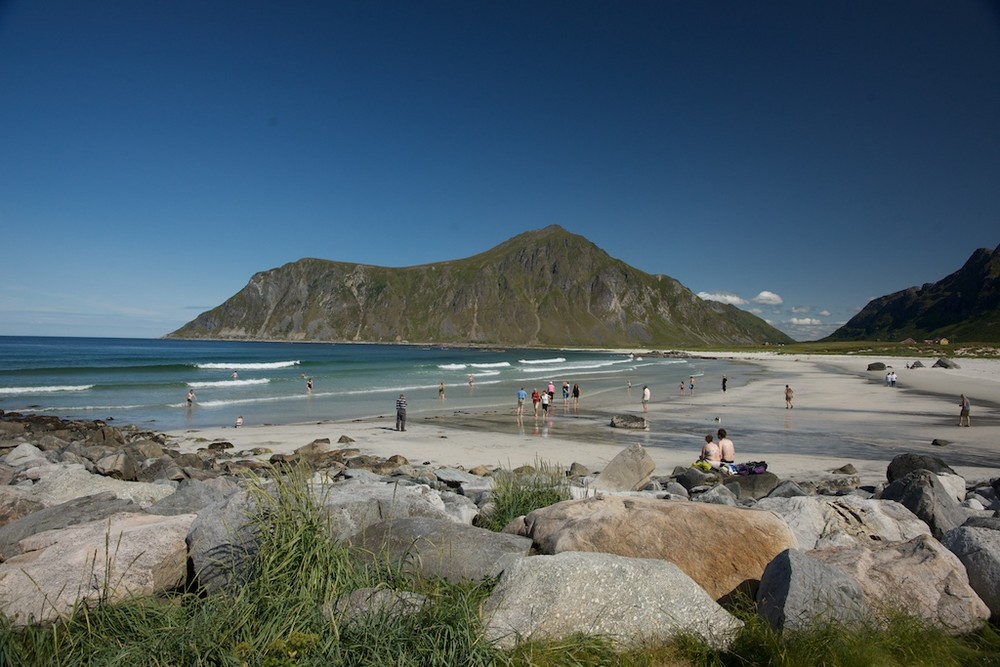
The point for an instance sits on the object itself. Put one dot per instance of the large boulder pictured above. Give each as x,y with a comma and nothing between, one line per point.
919,577
826,521
70,513
16,503
903,464
129,554
979,551
627,600
193,495
722,548
354,505
439,548
222,543
629,421
752,486
798,592
58,483
922,493
24,455
693,477
630,470
120,465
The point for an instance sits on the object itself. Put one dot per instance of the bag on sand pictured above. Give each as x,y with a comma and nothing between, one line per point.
751,468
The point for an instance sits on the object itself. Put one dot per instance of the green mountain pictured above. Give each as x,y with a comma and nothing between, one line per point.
542,288
964,306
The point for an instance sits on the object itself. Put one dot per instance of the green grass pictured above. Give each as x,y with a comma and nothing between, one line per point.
276,619
867,348
516,494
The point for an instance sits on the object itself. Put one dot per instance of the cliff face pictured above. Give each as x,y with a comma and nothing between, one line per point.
963,306
542,288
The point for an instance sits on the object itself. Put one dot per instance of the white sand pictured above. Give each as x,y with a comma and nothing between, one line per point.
835,397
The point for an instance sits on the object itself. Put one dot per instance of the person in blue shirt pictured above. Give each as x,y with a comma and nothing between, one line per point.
522,395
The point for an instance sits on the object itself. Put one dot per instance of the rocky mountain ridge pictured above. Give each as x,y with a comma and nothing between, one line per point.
964,306
542,288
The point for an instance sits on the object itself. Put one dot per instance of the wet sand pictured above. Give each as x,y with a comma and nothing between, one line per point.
842,414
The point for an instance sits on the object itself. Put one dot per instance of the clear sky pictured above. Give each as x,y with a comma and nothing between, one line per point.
798,158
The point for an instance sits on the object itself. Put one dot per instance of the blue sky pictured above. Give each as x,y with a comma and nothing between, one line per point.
797,158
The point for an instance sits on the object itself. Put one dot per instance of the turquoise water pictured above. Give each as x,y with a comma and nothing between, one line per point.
145,381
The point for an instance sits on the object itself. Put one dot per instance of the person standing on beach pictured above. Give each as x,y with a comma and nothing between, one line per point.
645,398
565,389
309,385
401,413
964,409
522,395
239,422
727,447
682,387
788,397
535,399
441,391
190,397
576,396
691,384
725,380
545,402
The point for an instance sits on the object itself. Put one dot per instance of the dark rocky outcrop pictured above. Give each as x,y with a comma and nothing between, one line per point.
629,421
922,493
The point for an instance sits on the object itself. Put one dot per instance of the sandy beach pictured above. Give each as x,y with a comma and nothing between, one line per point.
842,414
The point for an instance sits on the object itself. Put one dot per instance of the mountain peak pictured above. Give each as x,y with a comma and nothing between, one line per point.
547,287
962,306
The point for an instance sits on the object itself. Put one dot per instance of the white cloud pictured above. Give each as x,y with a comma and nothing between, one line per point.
723,297
768,299
805,322
801,309
824,313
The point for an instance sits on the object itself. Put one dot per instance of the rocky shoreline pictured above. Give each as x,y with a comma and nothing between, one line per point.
663,553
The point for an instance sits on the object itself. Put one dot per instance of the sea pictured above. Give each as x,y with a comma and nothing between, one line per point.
145,382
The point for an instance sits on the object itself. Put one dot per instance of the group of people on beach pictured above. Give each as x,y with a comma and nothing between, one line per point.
717,454
546,398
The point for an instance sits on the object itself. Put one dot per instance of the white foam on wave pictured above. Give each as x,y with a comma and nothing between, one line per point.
14,391
499,364
452,367
580,365
556,360
261,366
228,383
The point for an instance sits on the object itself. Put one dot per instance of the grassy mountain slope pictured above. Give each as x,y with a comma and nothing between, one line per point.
964,306
542,288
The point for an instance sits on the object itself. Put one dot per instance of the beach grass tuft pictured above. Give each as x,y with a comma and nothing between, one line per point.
516,493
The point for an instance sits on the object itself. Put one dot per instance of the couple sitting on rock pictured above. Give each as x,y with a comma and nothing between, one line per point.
715,454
